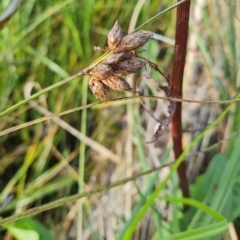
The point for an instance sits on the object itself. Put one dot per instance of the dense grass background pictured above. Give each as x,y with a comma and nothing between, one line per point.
47,41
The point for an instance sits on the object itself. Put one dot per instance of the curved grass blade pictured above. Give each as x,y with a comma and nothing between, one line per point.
11,9
159,14
204,232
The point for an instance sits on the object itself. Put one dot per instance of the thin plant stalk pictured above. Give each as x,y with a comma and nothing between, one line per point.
82,158
176,84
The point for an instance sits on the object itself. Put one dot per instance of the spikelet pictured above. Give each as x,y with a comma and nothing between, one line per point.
114,36
101,71
133,41
117,83
128,66
115,58
98,89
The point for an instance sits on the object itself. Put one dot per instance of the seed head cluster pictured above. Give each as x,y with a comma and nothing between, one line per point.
109,74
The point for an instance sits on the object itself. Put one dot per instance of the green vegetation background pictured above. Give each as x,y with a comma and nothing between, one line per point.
47,41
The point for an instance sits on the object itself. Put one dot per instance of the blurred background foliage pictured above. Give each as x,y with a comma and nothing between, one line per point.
47,41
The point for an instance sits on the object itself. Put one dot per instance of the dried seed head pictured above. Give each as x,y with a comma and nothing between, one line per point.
133,41
114,59
117,83
127,66
98,88
101,71
114,36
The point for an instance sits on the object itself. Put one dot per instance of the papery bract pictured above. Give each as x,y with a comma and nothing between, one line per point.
99,89
114,36
101,71
133,41
117,83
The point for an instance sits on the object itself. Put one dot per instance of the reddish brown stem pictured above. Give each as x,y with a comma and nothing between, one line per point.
176,84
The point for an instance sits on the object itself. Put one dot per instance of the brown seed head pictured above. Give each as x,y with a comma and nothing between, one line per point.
117,83
101,71
133,41
98,88
114,36
115,58
128,66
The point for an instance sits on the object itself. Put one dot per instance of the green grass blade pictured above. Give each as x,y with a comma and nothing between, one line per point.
152,197
159,14
202,233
